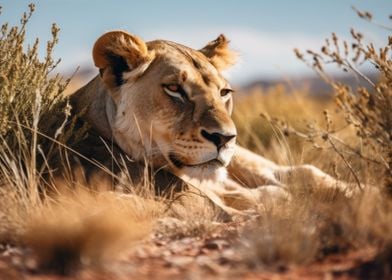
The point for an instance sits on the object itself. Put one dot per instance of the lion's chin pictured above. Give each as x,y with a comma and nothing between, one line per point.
211,171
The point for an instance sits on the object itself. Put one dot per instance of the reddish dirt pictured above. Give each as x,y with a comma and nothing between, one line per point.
211,257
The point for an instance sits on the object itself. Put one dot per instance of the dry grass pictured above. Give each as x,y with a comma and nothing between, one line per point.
85,228
81,227
314,225
253,113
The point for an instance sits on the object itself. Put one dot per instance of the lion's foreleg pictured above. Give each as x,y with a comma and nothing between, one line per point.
253,171
310,176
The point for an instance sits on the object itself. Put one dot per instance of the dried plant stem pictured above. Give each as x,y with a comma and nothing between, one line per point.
359,73
346,163
368,17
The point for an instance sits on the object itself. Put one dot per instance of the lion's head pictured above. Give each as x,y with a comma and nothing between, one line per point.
168,102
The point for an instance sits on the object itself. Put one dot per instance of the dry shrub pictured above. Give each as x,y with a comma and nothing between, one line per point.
31,96
31,105
33,109
366,109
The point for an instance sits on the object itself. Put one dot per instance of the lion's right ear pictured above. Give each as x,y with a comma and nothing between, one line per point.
116,52
219,53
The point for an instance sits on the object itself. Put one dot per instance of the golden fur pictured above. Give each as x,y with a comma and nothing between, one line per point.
169,104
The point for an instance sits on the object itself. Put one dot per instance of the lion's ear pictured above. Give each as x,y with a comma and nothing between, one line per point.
219,53
116,52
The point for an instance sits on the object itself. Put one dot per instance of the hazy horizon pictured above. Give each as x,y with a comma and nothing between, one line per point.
264,33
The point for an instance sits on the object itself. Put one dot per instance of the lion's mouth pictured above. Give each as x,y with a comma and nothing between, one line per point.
179,164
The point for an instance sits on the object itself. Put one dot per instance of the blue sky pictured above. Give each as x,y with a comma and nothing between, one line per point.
263,32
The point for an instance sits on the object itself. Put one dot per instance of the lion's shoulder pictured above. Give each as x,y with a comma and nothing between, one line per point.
91,101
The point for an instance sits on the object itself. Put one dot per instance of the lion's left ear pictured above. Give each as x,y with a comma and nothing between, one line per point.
219,53
116,52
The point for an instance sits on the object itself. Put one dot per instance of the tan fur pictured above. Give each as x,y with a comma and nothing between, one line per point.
135,110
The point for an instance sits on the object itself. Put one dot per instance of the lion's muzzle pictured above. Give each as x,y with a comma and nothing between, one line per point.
225,154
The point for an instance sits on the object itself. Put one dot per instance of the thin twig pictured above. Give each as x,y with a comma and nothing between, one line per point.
359,73
97,164
346,162
355,152
389,28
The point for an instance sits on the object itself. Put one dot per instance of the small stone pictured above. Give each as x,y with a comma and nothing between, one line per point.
180,261
217,244
203,260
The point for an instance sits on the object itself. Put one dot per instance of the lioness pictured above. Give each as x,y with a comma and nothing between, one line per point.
169,104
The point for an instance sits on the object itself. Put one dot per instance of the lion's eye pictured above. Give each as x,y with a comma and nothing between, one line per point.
226,92
175,91
174,88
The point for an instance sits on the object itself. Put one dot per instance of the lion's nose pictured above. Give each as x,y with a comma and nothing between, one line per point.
217,138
